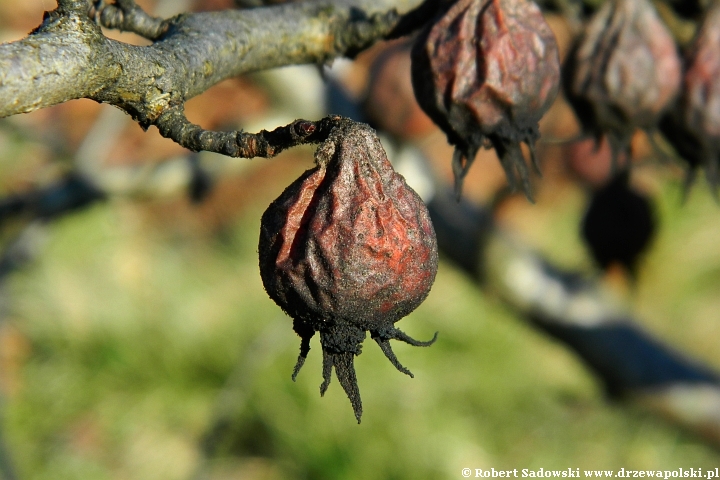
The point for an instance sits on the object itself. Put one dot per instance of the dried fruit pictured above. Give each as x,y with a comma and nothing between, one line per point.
486,72
390,103
619,224
693,127
623,72
348,248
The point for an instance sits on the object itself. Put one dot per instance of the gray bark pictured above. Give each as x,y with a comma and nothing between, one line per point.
68,57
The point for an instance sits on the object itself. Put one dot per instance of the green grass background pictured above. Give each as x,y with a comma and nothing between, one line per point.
139,338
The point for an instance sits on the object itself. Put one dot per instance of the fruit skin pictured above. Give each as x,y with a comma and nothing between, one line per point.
348,248
623,72
486,72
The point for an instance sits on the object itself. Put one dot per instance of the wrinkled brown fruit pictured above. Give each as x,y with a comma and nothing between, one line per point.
486,72
622,72
693,127
348,248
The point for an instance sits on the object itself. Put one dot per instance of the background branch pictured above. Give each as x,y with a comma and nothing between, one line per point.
580,313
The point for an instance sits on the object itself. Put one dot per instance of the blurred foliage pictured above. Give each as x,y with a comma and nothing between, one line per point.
132,339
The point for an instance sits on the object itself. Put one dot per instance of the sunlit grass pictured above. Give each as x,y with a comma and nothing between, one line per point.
139,339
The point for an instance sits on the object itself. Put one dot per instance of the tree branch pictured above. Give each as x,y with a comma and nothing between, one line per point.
61,60
67,57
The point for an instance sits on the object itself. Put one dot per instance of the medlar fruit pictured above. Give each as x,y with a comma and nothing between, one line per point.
623,72
348,248
619,224
486,71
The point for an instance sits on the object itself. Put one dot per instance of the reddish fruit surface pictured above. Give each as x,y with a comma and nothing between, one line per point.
623,72
348,248
486,72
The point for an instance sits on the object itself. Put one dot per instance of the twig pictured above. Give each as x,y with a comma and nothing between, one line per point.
173,124
125,15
